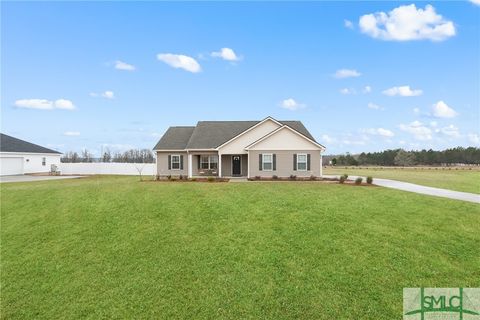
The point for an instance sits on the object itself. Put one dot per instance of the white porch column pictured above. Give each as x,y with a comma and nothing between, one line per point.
248,164
190,170
321,165
219,165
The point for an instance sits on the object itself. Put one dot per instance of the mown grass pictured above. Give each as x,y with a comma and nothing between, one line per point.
458,180
113,247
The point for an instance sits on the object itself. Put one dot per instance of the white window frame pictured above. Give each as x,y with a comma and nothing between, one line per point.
171,161
306,161
209,162
263,161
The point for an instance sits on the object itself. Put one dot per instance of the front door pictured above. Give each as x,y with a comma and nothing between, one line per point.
236,165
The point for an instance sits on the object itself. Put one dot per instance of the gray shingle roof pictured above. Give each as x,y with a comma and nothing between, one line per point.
176,138
11,144
211,134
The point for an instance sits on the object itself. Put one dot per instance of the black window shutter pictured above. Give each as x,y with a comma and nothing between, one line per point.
199,162
260,162
274,162
169,162
181,162
294,162
308,161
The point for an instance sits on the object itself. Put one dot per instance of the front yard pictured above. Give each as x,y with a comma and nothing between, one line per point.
113,247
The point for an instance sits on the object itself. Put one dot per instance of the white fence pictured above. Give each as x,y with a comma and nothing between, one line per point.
108,168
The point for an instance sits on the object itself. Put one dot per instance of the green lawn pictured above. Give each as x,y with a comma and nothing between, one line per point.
459,180
113,247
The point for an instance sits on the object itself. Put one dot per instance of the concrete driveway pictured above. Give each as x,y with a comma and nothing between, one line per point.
26,178
411,187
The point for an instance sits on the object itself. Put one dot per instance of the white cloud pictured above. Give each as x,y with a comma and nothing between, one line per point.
378,131
474,138
348,24
433,124
180,61
347,91
226,54
367,89
327,139
477,2
442,110
291,104
108,95
407,23
374,106
402,91
43,104
71,133
346,73
64,104
416,110
450,131
120,65
418,130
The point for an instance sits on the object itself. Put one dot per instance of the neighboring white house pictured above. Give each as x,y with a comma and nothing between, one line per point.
20,157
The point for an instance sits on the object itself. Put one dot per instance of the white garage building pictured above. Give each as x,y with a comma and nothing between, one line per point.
21,157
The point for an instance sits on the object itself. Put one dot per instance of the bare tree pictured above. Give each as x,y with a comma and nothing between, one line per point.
86,156
107,156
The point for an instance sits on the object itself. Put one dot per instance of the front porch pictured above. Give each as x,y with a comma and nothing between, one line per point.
210,164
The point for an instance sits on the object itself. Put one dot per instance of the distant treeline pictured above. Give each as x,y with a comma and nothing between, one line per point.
130,156
400,157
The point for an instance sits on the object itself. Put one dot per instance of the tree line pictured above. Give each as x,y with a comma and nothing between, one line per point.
400,157
129,156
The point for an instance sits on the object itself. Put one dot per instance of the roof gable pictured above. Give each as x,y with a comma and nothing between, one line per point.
11,144
285,138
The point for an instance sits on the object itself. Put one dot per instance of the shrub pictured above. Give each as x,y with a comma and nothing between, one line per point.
257,177
369,180
169,177
342,179
293,177
313,178
157,177
345,176
274,177
181,177
193,179
173,179
358,181
210,179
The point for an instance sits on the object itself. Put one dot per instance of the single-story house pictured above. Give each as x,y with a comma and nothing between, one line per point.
239,149
20,157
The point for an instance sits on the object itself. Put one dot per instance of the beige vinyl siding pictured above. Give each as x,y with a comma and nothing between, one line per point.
284,163
284,139
162,163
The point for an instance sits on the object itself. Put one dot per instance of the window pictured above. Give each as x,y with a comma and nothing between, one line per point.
213,162
302,162
44,161
175,162
208,162
267,162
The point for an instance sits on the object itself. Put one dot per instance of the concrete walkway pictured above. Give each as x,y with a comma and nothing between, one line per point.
411,187
27,178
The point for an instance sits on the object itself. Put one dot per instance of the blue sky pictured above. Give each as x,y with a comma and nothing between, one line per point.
115,74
